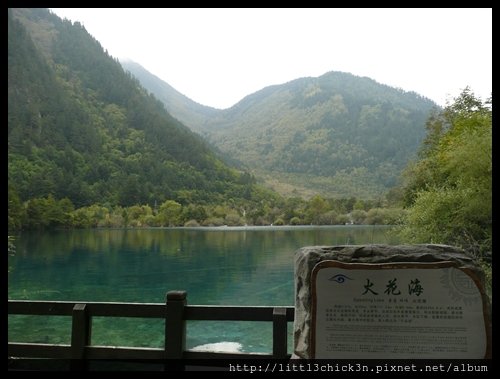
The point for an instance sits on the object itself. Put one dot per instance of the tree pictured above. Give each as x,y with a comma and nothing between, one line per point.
317,206
194,212
448,191
15,210
170,212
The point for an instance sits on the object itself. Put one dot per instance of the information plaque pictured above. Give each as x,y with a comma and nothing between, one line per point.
397,311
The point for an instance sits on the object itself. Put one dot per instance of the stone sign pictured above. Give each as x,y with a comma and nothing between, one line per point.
379,301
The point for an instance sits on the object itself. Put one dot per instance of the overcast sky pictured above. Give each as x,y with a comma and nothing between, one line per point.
218,56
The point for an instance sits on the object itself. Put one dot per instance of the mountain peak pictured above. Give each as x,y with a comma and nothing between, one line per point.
339,134
182,107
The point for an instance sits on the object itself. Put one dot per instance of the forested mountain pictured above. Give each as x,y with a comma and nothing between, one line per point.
81,128
187,111
337,134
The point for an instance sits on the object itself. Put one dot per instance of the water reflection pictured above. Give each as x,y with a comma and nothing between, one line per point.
213,265
239,266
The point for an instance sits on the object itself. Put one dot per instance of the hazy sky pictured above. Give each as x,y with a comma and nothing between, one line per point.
218,56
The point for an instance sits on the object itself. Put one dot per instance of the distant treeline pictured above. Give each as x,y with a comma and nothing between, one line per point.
49,213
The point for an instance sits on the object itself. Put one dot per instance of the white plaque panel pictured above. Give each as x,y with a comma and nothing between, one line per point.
397,311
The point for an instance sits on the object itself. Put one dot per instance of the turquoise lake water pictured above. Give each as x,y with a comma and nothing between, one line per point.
225,266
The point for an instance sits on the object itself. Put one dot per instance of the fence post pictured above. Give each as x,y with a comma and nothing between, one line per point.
175,328
280,333
80,336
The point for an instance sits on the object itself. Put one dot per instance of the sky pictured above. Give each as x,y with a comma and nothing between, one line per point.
218,56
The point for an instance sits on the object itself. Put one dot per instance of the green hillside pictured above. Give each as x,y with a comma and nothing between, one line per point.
81,128
352,134
185,110
338,135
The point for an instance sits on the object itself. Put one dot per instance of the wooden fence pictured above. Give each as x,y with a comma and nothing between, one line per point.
175,311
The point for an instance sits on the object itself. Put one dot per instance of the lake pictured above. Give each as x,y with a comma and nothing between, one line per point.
224,265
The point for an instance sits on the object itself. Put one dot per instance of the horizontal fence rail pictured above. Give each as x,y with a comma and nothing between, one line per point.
175,311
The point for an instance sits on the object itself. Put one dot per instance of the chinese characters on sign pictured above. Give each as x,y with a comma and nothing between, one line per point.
392,288
400,313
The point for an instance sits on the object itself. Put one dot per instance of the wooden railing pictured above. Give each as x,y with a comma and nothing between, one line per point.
175,311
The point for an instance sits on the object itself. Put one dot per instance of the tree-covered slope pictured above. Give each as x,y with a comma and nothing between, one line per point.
338,134
189,112
352,130
80,127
